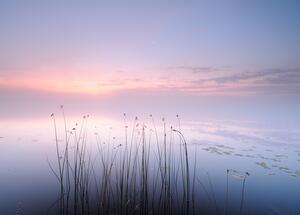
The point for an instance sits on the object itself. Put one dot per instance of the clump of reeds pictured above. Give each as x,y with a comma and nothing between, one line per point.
144,174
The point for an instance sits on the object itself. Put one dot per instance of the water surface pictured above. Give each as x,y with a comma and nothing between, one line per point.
270,154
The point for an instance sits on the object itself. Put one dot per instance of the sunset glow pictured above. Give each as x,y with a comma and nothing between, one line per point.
149,107
191,53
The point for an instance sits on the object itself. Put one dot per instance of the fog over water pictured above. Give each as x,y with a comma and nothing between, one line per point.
136,79
268,151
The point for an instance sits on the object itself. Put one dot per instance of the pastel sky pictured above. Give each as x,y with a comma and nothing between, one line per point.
119,48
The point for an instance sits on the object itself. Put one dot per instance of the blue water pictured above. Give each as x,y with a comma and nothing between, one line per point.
270,155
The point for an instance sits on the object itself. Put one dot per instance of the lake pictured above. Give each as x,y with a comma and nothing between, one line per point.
270,154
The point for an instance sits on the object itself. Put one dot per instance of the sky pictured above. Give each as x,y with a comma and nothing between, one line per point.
166,55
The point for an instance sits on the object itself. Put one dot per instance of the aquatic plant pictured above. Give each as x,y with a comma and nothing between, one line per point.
139,175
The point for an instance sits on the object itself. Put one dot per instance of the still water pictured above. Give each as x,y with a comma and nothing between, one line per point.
270,154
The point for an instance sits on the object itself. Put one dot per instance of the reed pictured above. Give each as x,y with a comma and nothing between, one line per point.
146,173
243,192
